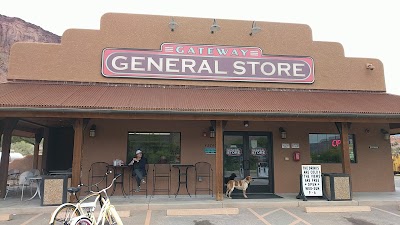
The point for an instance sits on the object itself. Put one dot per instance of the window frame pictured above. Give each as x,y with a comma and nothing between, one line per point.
336,134
145,153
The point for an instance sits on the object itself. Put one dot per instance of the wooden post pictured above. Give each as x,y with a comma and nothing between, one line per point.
38,139
77,154
45,148
1,129
344,138
8,127
219,160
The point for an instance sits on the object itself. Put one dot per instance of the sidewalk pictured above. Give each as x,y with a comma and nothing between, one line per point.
13,204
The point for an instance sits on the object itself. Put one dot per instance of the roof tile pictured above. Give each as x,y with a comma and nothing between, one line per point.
194,99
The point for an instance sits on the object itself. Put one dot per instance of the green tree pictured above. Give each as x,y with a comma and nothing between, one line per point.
22,147
15,139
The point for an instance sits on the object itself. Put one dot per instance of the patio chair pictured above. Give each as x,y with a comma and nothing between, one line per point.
204,174
23,181
13,176
12,180
96,172
162,172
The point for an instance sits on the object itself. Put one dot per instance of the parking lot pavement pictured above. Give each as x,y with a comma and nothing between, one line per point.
382,215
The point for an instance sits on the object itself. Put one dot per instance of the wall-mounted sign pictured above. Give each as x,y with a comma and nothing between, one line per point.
295,145
209,150
258,151
311,180
285,145
336,143
233,152
206,62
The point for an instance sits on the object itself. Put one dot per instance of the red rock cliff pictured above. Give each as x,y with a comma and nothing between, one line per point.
17,30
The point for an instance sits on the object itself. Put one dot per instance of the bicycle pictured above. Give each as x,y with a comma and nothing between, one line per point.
82,213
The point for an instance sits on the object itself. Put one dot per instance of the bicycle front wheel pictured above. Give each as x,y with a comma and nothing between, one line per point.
64,215
82,221
113,217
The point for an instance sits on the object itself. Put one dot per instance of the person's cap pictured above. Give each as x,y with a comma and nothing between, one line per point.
138,151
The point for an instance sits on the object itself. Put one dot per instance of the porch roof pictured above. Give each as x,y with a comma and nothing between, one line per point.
193,100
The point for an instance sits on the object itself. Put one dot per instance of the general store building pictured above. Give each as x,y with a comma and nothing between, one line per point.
260,104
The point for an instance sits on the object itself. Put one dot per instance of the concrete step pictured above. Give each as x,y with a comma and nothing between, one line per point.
202,212
335,209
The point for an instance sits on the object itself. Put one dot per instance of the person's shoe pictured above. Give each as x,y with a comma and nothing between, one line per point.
143,181
137,189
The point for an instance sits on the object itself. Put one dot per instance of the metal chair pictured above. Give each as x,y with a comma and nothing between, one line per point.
13,176
134,184
24,181
12,180
204,172
161,172
96,172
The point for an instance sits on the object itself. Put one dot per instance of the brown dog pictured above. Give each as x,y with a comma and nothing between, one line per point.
238,184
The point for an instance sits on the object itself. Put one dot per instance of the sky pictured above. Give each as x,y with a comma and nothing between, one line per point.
365,28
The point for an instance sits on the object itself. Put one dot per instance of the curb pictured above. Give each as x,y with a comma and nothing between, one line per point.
207,205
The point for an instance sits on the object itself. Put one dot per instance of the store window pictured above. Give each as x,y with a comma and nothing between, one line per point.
327,148
156,147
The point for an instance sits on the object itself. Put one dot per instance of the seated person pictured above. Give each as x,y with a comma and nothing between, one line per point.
139,168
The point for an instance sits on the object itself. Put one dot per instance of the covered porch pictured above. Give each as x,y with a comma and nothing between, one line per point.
66,118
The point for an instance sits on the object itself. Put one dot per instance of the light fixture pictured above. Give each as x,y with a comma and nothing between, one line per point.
215,27
92,131
386,134
172,25
212,132
254,29
283,132
204,134
245,123
369,66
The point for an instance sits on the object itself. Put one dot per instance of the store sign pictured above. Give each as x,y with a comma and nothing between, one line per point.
311,180
207,62
258,151
233,152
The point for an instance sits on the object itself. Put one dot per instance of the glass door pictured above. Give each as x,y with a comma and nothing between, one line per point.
248,153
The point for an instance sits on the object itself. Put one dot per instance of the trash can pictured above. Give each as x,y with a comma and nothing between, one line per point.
337,186
54,189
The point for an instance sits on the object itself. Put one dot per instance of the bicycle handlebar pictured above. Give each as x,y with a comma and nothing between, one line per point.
106,188
104,177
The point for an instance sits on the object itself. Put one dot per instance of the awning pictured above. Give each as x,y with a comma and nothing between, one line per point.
192,100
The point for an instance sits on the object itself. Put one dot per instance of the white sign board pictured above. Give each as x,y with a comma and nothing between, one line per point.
285,145
311,180
233,152
295,145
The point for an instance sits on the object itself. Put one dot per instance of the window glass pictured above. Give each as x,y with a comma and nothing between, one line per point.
156,147
327,148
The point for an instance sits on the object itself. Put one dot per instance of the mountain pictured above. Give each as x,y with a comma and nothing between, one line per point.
13,30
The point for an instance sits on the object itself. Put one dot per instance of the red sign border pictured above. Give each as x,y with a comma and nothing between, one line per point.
208,78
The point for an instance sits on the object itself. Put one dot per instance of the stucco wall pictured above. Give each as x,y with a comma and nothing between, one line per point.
111,143
78,57
372,172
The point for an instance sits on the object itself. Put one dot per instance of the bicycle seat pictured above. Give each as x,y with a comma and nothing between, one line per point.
73,190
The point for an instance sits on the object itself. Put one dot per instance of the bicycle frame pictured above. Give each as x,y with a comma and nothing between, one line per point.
86,209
